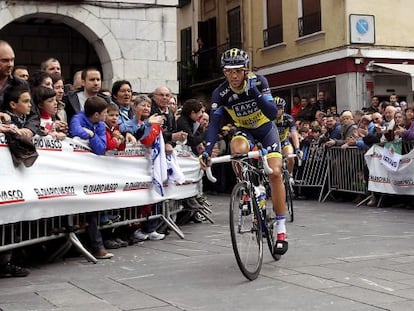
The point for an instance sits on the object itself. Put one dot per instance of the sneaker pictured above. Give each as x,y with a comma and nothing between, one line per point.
111,244
13,271
121,242
281,244
155,236
140,236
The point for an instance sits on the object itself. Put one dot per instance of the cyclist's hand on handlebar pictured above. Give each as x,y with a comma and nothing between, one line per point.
204,160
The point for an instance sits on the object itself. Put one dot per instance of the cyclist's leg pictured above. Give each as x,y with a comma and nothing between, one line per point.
240,144
271,142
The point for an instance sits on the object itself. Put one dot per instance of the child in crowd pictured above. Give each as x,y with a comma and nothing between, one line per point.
45,99
90,125
114,139
17,103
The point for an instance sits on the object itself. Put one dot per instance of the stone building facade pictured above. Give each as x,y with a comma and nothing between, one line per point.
132,40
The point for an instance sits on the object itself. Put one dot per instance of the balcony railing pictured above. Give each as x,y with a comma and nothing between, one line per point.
203,66
272,35
309,24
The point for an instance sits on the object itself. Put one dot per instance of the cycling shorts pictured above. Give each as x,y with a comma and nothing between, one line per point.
267,135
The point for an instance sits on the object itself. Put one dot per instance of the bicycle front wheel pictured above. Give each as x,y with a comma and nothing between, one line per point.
245,230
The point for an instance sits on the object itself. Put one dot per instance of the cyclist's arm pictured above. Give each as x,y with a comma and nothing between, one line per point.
214,125
264,98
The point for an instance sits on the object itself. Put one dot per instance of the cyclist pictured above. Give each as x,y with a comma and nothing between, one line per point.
246,98
287,131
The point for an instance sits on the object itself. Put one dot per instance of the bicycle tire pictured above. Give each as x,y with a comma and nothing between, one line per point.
289,196
270,219
246,233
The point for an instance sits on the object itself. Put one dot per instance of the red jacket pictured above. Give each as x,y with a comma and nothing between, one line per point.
111,142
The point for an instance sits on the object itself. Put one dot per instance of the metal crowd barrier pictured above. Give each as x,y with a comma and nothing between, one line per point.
312,171
27,233
345,171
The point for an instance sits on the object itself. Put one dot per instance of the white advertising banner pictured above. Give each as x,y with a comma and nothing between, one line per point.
393,178
68,179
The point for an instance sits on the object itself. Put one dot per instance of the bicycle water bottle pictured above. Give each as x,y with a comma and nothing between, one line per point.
260,196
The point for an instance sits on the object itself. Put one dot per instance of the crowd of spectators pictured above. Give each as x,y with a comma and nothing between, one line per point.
40,103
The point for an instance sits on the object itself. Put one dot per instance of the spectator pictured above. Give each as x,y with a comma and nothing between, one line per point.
394,100
389,123
91,83
298,106
45,99
40,78
122,96
77,80
172,104
403,105
146,128
7,268
346,134
143,127
160,99
21,72
409,113
89,124
333,127
321,103
308,113
58,86
191,112
51,65
374,105
114,139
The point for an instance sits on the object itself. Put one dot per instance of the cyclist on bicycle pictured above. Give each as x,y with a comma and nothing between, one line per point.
288,134
246,98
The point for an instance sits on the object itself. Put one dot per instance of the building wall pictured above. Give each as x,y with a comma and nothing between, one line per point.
332,36
393,20
138,43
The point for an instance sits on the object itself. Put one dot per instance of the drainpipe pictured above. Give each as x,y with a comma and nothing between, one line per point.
250,33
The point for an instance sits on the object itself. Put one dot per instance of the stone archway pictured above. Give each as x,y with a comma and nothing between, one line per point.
80,19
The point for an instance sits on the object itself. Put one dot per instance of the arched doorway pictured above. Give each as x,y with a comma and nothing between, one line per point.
36,38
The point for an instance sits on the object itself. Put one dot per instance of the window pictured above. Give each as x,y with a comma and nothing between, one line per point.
274,32
310,20
182,3
234,27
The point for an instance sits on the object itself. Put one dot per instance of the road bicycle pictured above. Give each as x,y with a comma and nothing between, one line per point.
251,213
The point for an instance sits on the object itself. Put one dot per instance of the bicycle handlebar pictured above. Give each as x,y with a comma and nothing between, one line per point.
228,158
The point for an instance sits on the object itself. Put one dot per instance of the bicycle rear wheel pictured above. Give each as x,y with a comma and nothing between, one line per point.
245,230
289,196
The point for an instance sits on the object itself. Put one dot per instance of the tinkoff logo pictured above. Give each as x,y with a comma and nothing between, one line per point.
11,196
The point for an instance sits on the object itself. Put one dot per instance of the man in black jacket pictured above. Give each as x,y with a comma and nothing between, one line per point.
7,269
